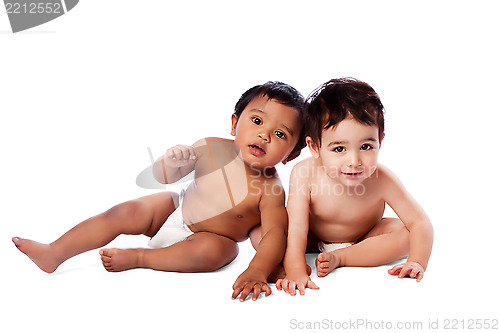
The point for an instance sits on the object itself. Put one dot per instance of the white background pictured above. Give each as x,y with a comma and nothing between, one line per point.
84,96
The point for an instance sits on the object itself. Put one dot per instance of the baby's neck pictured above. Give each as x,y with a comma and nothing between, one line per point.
267,172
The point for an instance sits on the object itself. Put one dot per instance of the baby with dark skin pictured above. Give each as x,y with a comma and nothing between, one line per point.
236,191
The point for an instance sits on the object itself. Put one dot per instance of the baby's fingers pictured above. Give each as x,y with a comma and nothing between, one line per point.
181,153
396,269
417,273
246,291
237,291
177,153
311,285
170,153
291,288
267,289
257,289
189,153
185,153
256,292
279,285
302,288
285,285
412,269
405,271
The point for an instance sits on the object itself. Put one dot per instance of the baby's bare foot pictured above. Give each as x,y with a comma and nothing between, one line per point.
326,262
41,254
117,260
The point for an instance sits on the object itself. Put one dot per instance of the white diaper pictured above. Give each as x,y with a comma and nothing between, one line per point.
329,247
173,230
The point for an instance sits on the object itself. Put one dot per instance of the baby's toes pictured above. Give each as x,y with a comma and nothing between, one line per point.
106,259
324,257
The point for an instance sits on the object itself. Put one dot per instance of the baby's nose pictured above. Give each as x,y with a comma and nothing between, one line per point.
353,160
264,136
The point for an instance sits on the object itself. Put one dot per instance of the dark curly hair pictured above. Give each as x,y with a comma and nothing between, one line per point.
281,93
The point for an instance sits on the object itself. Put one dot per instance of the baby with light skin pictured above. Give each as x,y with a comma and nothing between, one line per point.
337,197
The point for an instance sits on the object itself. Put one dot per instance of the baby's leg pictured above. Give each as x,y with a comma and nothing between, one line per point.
386,242
141,216
200,252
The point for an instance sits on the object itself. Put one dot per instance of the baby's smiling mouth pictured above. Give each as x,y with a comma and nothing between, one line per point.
353,174
256,150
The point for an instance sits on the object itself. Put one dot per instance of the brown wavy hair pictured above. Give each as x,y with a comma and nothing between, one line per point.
339,99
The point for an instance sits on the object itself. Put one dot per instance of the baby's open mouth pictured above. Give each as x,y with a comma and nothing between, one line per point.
256,150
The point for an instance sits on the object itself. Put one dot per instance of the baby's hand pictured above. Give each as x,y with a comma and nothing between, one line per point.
411,269
180,155
295,281
250,281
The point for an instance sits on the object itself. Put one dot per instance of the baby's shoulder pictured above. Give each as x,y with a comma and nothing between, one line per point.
384,173
386,178
209,140
304,167
307,171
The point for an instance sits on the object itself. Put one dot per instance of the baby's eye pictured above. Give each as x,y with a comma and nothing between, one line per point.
366,146
280,134
257,120
339,149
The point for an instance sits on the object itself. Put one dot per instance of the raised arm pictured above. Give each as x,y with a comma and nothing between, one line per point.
416,221
177,162
298,227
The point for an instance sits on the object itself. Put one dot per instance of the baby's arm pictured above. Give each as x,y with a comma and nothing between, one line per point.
298,228
416,221
271,247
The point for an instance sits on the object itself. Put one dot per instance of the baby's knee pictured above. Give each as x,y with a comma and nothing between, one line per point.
126,209
126,215
404,240
392,225
214,254
396,227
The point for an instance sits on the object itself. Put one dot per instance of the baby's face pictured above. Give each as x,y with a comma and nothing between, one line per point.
266,132
349,152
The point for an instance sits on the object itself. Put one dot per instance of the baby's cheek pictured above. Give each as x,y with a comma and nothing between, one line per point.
371,165
372,169
332,171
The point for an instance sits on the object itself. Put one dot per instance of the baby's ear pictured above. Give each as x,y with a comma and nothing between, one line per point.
234,121
380,141
313,148
293,155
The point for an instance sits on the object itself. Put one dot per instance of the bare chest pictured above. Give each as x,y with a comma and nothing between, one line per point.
221,216
345,216
224,201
